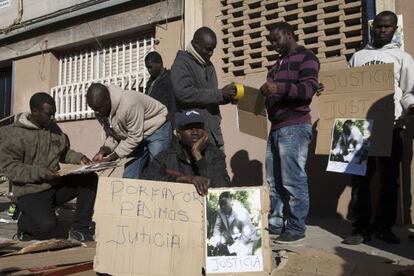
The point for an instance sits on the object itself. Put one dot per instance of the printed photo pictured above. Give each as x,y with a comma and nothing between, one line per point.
234,230
350,146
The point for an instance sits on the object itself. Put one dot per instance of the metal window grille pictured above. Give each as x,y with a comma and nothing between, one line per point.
120,64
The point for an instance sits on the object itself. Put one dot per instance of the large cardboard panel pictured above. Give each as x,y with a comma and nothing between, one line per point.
362,92
252,101
255,125
148,228
252,113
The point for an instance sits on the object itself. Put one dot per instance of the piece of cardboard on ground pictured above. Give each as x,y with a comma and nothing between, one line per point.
252,113
148,228
361,92
38,246
266,247
70,256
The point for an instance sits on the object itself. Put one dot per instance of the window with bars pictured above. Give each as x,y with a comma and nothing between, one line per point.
330,28
120,64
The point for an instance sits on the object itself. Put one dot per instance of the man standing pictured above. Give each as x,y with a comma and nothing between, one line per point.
289,89
195,83
135,124
159,85
192,159
30,152
382,50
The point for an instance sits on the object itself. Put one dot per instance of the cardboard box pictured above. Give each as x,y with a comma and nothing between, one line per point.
361,92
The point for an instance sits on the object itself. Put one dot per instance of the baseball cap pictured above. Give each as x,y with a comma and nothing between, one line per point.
188,117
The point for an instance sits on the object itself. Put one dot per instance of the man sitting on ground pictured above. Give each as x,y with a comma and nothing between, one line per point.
30,152
193,159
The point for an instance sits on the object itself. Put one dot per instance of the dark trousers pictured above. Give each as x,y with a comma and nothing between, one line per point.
386,210
38,219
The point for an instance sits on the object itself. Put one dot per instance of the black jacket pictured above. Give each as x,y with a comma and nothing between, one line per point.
173,163
162,90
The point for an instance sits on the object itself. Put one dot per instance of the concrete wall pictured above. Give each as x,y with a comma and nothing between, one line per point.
329,192
33,9
33,74
120,23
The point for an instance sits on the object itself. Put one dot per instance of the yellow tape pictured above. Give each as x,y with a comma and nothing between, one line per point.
239,91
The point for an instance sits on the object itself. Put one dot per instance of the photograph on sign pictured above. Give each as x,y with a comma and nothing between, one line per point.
350,146
234,230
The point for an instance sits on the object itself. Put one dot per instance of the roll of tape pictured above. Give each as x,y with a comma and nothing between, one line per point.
239,91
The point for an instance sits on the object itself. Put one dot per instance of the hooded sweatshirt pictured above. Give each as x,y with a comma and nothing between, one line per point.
196,87
27,152
134,117
403,73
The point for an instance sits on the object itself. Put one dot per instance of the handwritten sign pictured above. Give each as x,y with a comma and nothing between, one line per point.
361,92
148,228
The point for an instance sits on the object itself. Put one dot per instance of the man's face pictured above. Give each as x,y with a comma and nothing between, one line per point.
44,116
383,30
205,46
191,133
101,106
153,68
226,206
281,41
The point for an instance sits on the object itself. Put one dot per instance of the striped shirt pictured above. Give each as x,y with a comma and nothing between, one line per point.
296,77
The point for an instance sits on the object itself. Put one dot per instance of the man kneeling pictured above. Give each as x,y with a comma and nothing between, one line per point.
30,153
193,159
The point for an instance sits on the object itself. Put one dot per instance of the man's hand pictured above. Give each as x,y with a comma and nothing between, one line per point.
112,157
51,175
320,89
99,157
268,88
199,147
201,183
229,91
85,161
411,109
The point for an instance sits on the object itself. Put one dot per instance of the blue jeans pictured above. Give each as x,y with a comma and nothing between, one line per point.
286,154
147,149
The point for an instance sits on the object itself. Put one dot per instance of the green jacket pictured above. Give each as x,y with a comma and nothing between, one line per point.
26,152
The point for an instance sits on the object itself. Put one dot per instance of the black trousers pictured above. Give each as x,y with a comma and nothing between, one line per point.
38,219
386,210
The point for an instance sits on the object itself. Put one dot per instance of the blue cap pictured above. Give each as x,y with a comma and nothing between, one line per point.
189,117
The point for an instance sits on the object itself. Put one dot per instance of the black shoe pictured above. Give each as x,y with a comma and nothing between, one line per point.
286,238
355,239
80,236
385,234
22,237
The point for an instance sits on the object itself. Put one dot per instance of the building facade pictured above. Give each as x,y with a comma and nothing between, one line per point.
61,47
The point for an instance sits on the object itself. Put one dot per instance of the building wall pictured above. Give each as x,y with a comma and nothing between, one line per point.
33,9
329,192
33,74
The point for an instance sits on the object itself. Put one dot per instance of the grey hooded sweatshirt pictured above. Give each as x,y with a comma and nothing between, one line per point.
403,73
195,86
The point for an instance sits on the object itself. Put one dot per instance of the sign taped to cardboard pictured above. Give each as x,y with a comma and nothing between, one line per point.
361,92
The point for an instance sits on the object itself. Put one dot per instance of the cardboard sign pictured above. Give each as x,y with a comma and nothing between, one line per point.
148,228
252,113
361,92
237,243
